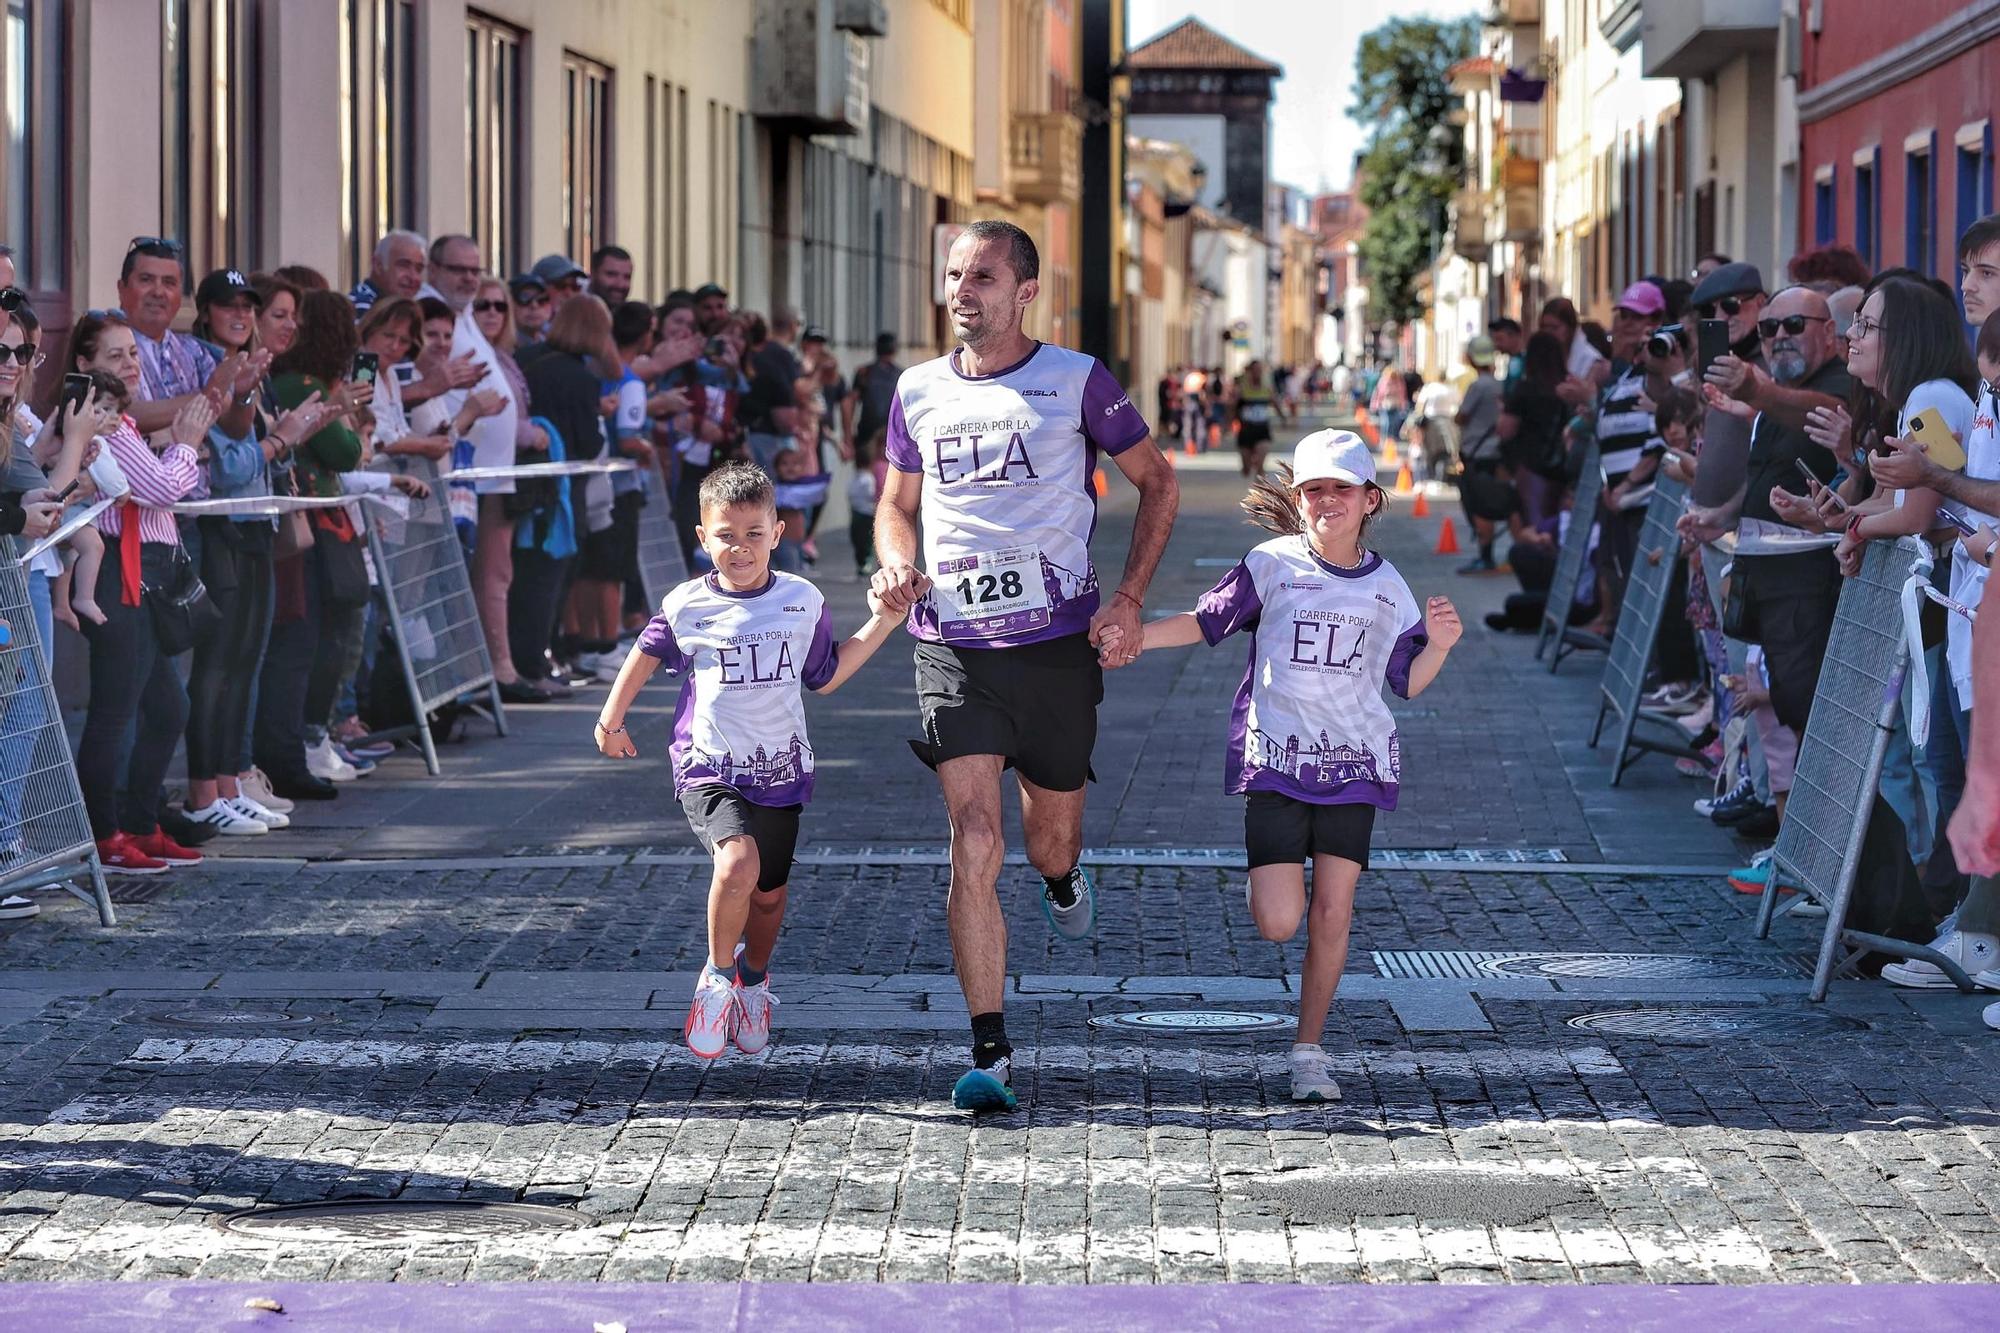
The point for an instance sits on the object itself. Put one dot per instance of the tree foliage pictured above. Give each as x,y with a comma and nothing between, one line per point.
1414,160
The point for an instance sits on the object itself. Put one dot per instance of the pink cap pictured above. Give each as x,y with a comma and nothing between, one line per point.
1641,298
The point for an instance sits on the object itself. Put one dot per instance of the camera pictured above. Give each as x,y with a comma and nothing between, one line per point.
1666,341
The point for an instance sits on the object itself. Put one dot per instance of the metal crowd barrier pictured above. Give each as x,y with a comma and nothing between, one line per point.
1572,567
44,832
660,565
1840,762
433,617
1632,644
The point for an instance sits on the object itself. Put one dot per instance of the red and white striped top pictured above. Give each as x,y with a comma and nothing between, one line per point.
157,480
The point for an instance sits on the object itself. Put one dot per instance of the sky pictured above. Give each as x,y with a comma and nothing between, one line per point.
1313,142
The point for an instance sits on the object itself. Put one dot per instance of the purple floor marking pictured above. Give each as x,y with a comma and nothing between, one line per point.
167,1307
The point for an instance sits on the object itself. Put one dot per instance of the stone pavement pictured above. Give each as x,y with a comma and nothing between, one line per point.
1554,1073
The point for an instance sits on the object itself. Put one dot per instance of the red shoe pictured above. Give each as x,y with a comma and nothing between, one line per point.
120,855
160,846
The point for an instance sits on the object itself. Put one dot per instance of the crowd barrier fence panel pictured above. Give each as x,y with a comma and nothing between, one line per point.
44,831
1631,655
661,567
1572,567
1839,767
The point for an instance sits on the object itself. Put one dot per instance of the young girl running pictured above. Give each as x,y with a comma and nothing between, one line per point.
1310,739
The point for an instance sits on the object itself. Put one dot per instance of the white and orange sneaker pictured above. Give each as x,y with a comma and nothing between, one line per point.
714,1015
753,1024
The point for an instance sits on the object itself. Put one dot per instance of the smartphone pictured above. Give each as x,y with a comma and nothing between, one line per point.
366,366
715,348
74,390
1957,520
1944,449
1814,484
1711,340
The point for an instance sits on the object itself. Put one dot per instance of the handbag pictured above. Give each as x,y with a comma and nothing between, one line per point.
183,613
1739,622
294,531
343,573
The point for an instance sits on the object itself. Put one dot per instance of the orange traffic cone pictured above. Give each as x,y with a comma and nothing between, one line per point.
1422,508
1097,480
1191,449
1405,481
1368,433
1447,540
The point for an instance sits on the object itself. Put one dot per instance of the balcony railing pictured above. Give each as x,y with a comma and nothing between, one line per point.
1045,156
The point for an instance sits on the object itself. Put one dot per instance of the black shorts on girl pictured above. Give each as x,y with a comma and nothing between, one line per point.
717,813
1283,830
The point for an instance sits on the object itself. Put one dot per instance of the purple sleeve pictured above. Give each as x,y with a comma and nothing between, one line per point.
1229,606
657,640
1411,642
1109,418
821,659
901,449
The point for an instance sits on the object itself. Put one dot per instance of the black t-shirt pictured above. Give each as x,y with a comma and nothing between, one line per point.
566,391
1537,442
1777,449
773,372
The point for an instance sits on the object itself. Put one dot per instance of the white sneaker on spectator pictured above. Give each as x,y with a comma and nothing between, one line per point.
258,788
16,908
327,766
1993,1015
257,810
1987,980
227,820
1971,951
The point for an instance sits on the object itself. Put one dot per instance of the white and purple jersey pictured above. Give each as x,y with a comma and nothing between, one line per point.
741,719
1008,508
1309,721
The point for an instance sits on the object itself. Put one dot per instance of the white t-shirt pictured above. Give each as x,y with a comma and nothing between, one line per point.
1309,720
1950,401
1008,506
740,721
1968,579
1582,356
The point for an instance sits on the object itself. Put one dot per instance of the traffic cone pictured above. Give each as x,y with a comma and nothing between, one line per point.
1097,480
1191,449
1369,434
1447,540
1422,508
1405,481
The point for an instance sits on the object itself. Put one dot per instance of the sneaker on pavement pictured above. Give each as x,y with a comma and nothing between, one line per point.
323,763
359,763
1479,564
257,810
1754,878
753,1023
1072,909
120,855
1972,951
712,1014
16,908
226,819
1312,1075
1744,790
258,788
1992,1015
160,845
988,1089
1987,980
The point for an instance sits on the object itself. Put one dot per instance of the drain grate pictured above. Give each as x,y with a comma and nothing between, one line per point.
1180,1021
1442,1193
1700,1024
131,889
225,1018
1480,964
397,1221
1473,856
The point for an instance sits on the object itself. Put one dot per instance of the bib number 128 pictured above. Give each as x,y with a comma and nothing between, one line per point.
984,589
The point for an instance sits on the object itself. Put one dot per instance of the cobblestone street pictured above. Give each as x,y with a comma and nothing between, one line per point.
1574,1066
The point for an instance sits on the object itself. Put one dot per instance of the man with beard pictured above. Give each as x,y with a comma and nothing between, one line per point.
611,274
711,309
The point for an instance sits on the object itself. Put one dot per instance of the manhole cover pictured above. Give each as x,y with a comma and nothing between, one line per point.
226,1018
1697,1024
393,1221
1453,1193
1623,965
1192,1020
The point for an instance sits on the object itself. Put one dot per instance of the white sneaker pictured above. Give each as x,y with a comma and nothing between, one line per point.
753,1023
327,766
712,1015
1973,952
227,820
1312,1075
258,788
1993,1015
17,908
1987,980
258,811
607,668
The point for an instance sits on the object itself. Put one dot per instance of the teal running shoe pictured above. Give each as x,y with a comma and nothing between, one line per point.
1072,907
984,1089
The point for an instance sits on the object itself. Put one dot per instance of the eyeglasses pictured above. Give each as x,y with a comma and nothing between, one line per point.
23,353
462,270
539,298
1731,305
489,307
1863,328
161,247
1792,324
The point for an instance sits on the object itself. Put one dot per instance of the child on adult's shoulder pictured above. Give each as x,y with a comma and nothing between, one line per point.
747,639
1313,746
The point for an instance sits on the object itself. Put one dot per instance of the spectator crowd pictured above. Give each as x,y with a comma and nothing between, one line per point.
221,620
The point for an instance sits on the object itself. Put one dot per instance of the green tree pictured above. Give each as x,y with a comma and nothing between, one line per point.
1415,160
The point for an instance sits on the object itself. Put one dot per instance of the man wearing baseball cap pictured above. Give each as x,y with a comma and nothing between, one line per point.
562,276
1484,493
1628,446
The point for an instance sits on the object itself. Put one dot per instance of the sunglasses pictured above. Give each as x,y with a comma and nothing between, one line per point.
23,353
1792,324
538,298
1730,305
489,307
158,246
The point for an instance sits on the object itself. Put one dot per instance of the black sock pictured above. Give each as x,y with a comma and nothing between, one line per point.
1062,892
1486,552
989,1040
747,975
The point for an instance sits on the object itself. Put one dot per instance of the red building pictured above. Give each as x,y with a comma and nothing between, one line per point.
1895,125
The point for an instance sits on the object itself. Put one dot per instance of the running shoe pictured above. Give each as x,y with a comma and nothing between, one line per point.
1987,980
362,766
120,855
712,1016
16,908
753,1023
1992,1015
1970,950
160,845
988,1089
257,810
1073,913
1312,1075
1754,878
226,819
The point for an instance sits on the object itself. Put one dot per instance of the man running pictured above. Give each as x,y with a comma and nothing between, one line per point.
994,445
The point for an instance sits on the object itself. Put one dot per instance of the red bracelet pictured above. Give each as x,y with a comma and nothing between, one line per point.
1137,604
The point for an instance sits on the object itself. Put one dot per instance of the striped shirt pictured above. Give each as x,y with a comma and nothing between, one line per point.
1624,428
175,366
157,480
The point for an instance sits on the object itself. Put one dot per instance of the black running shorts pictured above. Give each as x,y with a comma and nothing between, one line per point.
1035,706
1281,830
612,555
717,813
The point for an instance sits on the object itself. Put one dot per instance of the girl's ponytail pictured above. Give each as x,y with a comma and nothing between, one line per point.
1273,505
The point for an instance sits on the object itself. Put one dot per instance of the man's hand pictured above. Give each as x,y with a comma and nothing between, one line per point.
44,517
1700,525
191,423
1905,467
463,371
1442,624
898,586
1796,510
668,403
1722,402
1116,633
1728,373
483,403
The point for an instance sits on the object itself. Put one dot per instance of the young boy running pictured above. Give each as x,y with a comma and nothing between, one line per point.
1310,739
745,638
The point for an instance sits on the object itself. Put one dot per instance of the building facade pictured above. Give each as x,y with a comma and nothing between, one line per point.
1192,85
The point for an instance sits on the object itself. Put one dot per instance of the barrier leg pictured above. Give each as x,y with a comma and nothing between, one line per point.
399,635
1597,728
97,896
499,709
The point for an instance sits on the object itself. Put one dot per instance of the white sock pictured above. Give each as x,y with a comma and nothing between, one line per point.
1299,1046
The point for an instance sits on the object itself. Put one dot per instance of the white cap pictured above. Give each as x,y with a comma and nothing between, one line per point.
1338,455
